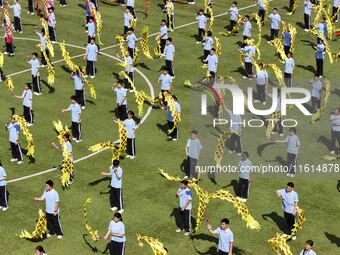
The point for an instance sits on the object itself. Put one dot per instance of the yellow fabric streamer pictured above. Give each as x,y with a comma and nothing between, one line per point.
93,233
279,242
9,83
204,198
289,27
156,246
122,137
104,146
277,43
136,57
316,116
47,36
271,124
212,18
220,147
259,24
27,134
235,29
120,39
176,115
133,23
218,46
50,68
295,5
157,50
327,46
145,42
39,231
74,68
2,58
99,25
67,164
278,74
169,14
322,13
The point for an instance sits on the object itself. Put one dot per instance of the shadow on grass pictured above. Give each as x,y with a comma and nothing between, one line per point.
51,89
93,248
66,69
308,68
234,184
300,25
96,182
266,37
277,219
338,186
116,75
336,92
90,102
333,238
213,249
144,66
262,147
307,42
324,140
30,159
239,70
163,128
12,109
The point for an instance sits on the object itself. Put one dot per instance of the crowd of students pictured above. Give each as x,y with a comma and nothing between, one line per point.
116,229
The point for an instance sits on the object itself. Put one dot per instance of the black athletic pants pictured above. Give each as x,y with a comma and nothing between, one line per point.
116,198
17,24
121,112
117,248
335,137
184,220
16,151
131,146
168,64
3,196
319,66
261,92
289,222
190,169
243,185
307,20
174,133
288,80
28,114
51,31
274,33
291,161
53,224
90,69
76,130
36,84
234,143
80,95
43,60
316,104
200,35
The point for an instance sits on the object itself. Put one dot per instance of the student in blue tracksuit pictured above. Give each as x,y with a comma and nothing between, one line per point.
79,89
184,194
75,110
226,237
116,197
14,134
3,189
116,231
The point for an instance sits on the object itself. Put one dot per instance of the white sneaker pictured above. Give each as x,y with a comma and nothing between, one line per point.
307,30
128,156
132,157
257,101
194,179
74,139
30,124
284,235
60,237
92,76
121,211
332,152
77,141
114,209
186,177
186,233
32,13
131,91
198,42
230,152
36,93
14,160
264,103
244,77
20,162
4,209
178,230
282,134
239,154
48,235
293,238
244,200
86,76
174,139
83,107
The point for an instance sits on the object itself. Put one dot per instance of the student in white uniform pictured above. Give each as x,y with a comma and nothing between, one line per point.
16,13
75,110
116,231
308,250
39,250
35,65
27,98
202,22
3,189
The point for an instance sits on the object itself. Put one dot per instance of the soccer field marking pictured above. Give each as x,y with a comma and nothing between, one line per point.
152,92
113,57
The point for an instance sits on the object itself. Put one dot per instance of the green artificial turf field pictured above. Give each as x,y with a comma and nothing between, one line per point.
149,199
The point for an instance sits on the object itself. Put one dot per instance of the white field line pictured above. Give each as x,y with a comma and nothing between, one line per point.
139,72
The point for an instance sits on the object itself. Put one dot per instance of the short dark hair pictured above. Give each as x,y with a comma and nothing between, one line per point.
169,39
0,163
209,33
165,69
213,49
131,29
28,85
132,113
245,153
293,129
120,82
163,20
35,54
118,215
310,242
73,98
247,16
49,183
316,75
39,248
235,2
261,64
93,39
225,220
115,162
194,131
185,182
174,97
290,184
67,136
275,9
